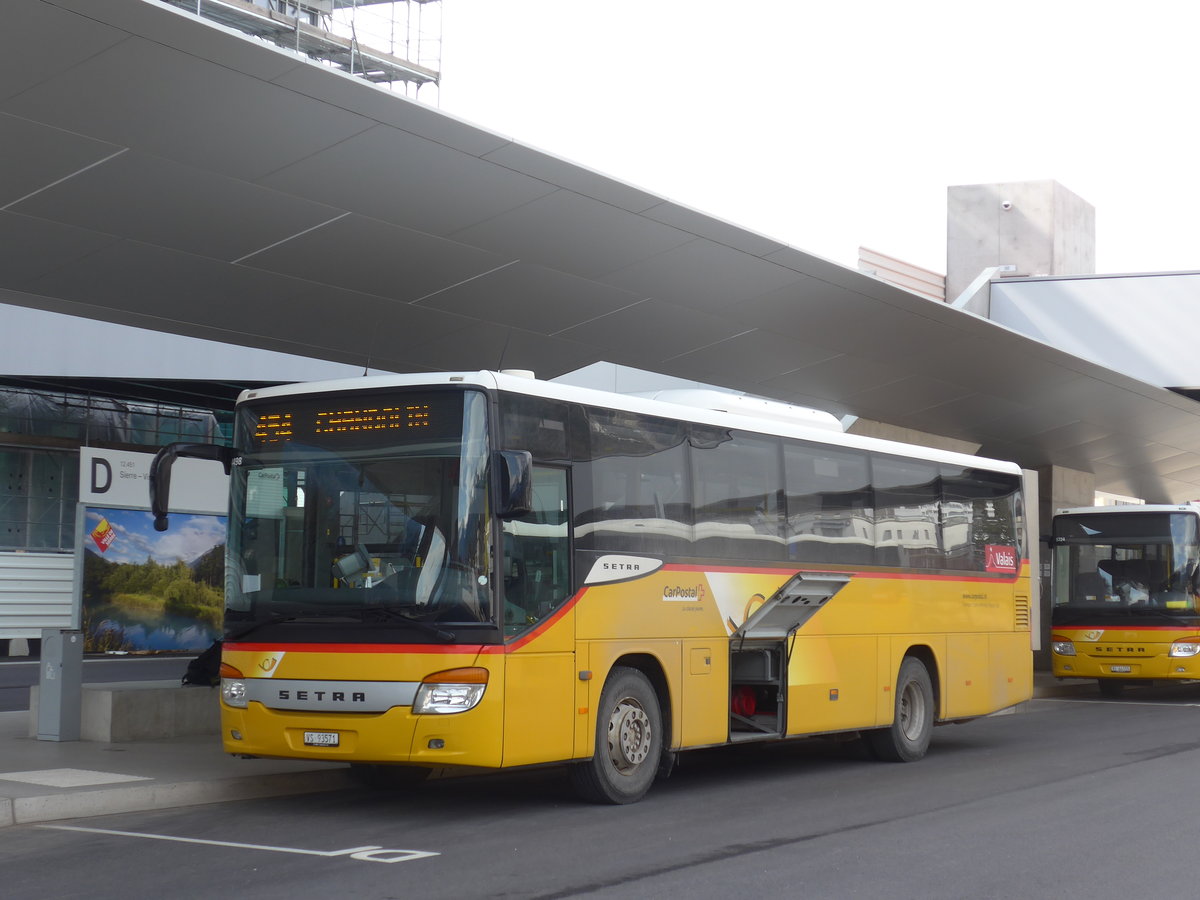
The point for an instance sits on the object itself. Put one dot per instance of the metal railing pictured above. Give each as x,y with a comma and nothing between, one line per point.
392,42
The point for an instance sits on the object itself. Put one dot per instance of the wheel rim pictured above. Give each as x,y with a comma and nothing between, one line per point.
912,711
629,736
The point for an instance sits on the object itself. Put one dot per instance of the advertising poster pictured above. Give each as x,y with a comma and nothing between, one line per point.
149,591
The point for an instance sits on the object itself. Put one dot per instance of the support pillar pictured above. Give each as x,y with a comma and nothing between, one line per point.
1058,488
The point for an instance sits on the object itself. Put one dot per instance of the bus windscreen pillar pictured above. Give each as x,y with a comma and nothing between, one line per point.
60,686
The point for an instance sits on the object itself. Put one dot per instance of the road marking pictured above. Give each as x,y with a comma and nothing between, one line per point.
370,853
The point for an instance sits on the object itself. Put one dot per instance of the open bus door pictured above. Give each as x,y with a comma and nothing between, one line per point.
761,648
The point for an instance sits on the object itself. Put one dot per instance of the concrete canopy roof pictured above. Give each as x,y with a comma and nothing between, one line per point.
161,172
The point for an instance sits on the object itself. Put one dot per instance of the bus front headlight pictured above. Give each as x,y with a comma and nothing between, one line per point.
452,691
1063,648
1185,648
233,688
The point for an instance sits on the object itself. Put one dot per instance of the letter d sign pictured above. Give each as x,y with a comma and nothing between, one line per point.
101,475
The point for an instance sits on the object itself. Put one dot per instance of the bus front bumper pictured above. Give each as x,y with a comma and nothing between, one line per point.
396,736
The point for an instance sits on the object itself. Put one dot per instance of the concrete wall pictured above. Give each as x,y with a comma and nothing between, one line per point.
871,428
124,711
1038,226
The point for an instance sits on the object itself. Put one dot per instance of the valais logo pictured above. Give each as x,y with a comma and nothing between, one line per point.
1001,558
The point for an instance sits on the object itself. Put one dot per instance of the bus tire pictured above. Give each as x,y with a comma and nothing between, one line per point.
629,740
1110,688
907,738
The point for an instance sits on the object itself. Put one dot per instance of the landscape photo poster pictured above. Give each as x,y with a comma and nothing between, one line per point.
146,591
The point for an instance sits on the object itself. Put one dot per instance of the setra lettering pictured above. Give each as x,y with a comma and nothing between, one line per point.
320,696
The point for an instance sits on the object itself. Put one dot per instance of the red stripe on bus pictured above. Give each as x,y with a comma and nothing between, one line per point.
1109,626
558,614
1000,578
433,649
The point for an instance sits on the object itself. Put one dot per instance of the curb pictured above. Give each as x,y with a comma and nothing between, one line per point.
160,795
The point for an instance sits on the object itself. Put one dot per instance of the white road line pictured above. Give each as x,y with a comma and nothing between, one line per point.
372,853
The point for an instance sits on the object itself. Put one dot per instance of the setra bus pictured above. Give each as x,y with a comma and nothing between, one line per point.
1124,585
486,570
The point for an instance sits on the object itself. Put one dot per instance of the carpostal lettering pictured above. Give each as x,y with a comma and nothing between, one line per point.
684,594
334,696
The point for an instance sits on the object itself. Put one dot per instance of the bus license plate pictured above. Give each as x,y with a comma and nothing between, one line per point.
320,738
1116,670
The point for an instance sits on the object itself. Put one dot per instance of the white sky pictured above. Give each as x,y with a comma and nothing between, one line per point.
834,124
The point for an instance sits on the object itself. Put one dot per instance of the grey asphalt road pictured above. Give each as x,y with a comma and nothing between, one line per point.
1074,798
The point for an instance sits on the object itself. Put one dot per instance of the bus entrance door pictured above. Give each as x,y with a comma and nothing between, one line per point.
760,649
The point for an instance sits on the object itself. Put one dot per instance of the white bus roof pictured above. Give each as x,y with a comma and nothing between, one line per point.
524,384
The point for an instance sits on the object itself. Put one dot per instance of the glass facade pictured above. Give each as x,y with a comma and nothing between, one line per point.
40,433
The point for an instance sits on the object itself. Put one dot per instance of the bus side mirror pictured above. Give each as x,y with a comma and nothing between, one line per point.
513,473
160,473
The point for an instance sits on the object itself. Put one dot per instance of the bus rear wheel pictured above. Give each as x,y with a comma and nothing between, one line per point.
907,739
629,742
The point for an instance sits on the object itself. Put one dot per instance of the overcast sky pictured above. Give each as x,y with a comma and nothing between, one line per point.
834,125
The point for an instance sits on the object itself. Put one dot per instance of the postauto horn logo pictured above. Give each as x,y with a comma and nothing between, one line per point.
682,594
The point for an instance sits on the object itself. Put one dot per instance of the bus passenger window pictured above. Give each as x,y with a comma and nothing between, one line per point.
830,519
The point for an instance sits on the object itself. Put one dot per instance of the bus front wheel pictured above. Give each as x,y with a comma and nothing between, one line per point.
629,740
907,739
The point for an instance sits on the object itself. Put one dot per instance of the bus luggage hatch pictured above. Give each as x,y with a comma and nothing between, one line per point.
759,654
792,605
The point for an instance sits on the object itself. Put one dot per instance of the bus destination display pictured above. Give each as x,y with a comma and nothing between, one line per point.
331,423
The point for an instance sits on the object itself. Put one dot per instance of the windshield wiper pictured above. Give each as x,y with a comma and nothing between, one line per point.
273,619
393,612
334,612
345,613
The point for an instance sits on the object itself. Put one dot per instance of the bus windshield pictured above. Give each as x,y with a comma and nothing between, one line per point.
1125,563
359,508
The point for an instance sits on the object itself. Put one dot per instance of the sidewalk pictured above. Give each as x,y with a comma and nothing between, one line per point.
41,781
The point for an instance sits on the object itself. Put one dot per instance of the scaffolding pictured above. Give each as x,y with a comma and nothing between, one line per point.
397,43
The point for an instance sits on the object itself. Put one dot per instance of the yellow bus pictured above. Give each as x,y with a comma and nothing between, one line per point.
1125,584
486,570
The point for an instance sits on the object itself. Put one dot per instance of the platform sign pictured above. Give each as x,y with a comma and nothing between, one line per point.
138,590
120,478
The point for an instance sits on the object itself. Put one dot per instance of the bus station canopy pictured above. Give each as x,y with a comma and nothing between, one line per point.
162,172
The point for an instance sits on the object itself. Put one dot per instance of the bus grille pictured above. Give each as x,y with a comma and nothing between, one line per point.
1021,614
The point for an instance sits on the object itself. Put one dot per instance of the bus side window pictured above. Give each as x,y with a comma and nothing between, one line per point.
535,566
830,514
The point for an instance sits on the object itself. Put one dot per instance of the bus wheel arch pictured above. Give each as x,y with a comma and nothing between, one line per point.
632,734
915,711
928,658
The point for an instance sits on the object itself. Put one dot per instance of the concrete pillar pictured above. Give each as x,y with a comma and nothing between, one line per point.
1039,227
1058,488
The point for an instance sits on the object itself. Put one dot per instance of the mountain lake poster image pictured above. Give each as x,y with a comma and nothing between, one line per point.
146,591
